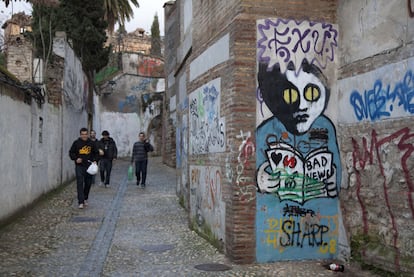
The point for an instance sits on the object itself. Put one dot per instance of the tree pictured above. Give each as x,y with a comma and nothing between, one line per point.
155,37
35,2
118,11
84,24
43,28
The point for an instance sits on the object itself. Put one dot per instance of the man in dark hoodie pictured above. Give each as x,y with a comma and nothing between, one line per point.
84,152
108,152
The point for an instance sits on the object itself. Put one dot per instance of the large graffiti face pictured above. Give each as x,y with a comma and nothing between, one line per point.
297,156
295,99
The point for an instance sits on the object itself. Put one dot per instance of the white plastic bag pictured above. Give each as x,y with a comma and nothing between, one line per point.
92,169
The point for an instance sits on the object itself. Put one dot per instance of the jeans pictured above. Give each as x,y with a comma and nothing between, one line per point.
141,171
83,183
105,170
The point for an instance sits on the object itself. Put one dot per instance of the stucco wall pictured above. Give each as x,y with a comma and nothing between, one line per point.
37,138
16,168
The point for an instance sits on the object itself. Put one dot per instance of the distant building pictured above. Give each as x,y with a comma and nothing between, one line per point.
137,41
17,48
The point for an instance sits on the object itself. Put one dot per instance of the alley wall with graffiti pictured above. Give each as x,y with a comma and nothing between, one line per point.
131,102
297,117
207,133
375,131
379,160
297,156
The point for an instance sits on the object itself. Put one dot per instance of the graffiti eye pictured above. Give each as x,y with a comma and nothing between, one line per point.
312,93
290,95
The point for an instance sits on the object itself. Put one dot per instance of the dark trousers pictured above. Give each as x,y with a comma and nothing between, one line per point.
141,171
105,166
83,183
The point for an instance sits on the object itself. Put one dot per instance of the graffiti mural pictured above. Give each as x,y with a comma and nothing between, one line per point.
374,154
297,156
206,198
207,128
368,97
150,66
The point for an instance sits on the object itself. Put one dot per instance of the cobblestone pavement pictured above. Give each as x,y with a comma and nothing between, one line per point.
125,231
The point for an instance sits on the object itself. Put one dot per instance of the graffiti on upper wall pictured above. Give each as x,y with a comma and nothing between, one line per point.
367,152
149,66
207,129
143,85
384,93
297,155
208,207
382,99
285,42
75,87
138,96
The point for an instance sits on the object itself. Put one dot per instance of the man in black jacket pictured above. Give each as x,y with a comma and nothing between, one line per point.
108,152
84,152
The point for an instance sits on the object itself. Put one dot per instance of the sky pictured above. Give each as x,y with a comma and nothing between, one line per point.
143,16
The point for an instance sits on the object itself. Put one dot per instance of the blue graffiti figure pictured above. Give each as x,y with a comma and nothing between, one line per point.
297,151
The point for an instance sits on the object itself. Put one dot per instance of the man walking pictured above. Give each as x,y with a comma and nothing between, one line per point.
92,136
108,154
84,152
140,156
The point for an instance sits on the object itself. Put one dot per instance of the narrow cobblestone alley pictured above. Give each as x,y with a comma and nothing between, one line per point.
125,231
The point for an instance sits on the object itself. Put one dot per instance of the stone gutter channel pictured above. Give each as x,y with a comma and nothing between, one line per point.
95,260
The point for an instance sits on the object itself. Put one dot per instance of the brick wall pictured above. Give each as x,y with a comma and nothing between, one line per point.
375,149
54,82
211,21
170,66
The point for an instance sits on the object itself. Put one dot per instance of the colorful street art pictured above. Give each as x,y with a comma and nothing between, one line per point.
207,128
297,156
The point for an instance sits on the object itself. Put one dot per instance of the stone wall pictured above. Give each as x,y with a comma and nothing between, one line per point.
375,131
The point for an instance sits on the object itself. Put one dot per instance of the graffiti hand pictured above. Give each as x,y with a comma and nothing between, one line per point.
330,188
265,182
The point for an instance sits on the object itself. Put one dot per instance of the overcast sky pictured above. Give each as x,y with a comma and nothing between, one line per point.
143,16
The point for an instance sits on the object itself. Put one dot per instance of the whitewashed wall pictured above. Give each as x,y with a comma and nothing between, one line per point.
36,138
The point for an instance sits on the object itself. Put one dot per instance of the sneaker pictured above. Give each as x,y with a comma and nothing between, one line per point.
85,203
107,185
101,184
80,206
143,186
